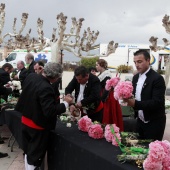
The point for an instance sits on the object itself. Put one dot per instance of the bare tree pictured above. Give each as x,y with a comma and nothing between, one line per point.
154,47
111,48
2,20
72,41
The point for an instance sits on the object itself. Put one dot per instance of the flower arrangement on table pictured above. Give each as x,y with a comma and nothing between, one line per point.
69,117
75,115
157,156
94,130
98,131
12,99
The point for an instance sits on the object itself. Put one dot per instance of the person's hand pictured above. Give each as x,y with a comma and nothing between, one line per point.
74,111
16,77
7,85
78,105
72,108
70,95
130,102
68,99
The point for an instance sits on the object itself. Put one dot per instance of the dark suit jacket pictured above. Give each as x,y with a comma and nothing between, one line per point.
22,75
55,86
5,91
4,77
37,102
152,96
31,68
91,92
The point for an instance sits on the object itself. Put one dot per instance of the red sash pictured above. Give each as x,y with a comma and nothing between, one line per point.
30,123
100,107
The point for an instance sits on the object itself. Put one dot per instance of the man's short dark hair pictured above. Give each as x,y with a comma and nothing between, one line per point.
7,65
40,63
144,52
81,70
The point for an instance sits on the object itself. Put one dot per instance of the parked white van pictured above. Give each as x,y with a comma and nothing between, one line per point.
20,54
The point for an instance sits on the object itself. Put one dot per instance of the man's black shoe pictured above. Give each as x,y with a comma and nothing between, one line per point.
1,141
2,155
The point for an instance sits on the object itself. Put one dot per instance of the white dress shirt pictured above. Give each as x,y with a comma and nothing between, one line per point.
81,94
140,84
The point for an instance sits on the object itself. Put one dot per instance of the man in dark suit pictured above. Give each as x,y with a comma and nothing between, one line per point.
4,91
29,59
22,72
5,73
149,102
87,93
5,76
39,112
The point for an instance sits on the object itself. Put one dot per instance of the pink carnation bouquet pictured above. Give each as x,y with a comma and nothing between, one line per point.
123,90
111,83
158,157
112,137
95,131
84,123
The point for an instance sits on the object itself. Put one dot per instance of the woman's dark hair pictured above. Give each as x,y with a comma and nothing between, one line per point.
102,63
92,69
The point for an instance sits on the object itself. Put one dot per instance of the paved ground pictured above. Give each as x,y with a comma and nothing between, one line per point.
15,159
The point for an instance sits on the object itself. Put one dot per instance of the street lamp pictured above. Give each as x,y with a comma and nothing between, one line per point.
61,53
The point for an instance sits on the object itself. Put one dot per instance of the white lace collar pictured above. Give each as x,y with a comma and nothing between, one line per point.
104,74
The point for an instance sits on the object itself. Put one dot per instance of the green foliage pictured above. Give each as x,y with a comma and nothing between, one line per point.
89,62
124,68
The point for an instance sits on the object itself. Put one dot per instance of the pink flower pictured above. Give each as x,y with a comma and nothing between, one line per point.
158,157
95,131
108,134
150,164
110,137
116,139
166,163
84,123
123,90
111,83
156,151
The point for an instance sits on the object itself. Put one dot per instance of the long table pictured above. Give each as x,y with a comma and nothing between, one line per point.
72,149
13,121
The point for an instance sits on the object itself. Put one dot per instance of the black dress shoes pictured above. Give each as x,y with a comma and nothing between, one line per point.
2,155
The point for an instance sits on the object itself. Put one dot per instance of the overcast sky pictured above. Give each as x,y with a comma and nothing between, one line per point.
124,21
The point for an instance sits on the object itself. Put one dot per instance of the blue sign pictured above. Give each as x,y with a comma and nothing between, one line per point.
42,57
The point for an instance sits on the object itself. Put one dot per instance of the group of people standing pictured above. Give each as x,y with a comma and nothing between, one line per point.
39,106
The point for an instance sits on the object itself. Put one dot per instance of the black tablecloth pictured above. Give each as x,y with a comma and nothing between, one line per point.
2,117
72,149
13,121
